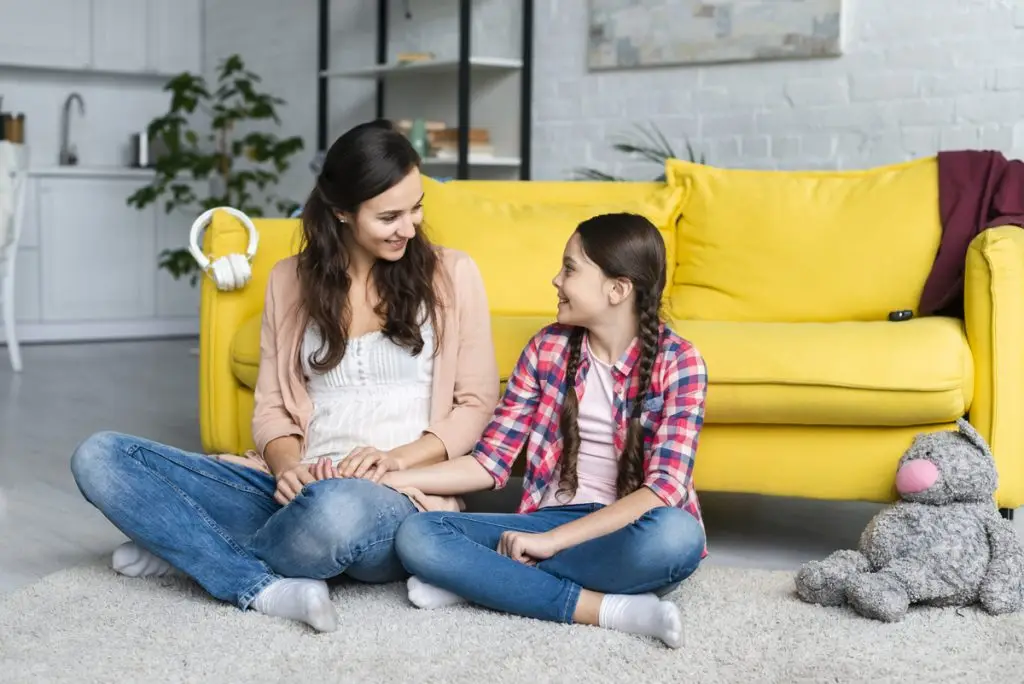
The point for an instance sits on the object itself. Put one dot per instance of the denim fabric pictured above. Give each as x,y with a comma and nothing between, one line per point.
457,552
218,521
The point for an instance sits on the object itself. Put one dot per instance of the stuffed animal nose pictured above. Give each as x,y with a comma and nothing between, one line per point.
916,476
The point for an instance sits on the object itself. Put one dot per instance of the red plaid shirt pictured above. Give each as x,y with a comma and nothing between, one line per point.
672,415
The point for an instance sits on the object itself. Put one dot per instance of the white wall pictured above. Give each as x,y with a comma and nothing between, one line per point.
902,89
115,107
917,76
277,42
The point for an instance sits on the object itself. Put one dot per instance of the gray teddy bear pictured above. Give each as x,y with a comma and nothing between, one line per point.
943,544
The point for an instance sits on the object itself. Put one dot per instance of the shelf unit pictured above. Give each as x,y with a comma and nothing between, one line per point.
464,67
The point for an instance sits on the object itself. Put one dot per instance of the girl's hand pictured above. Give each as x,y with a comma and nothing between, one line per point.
368,463
291,482
527,547
324,469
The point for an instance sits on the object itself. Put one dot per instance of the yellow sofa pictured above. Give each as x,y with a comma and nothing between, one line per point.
783,280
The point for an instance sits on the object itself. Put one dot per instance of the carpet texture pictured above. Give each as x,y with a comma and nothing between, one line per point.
87,624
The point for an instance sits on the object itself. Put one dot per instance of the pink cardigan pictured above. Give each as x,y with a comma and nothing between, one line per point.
465,382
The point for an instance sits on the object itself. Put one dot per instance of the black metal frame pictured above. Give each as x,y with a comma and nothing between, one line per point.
464,76
323,40
382,51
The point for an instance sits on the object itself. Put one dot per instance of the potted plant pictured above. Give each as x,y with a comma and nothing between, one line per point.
241,168
650,145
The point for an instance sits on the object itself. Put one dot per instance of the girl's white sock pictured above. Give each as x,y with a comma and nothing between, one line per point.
427,596
305,600
642,614
131,560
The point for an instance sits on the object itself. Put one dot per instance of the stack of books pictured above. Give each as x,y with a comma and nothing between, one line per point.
443,140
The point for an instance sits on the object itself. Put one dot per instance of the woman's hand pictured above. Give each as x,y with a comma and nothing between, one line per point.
291,481
368,463
527,547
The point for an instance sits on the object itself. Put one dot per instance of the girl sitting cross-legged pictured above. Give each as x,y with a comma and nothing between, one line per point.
609,403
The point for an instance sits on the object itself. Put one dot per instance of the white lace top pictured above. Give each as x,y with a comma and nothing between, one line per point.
378,395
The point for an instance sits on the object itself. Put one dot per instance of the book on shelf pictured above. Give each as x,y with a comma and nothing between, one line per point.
451,152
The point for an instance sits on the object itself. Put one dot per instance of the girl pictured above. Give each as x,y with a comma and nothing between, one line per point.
376,356
608,403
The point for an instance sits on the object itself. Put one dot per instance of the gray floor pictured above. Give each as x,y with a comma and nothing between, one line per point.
67,392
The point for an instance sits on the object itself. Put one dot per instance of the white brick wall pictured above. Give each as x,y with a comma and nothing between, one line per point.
901,90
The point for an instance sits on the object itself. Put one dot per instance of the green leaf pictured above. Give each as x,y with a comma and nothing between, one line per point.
596,175
179,263
648,143
247,167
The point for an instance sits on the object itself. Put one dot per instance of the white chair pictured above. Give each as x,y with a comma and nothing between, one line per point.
13,189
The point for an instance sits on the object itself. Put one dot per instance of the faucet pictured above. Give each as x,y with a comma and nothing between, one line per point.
68,153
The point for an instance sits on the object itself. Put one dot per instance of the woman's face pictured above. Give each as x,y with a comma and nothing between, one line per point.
383,225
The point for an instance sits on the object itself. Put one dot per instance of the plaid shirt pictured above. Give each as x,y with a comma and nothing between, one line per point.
528,413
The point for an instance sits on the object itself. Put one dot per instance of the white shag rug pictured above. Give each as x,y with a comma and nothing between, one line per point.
87,624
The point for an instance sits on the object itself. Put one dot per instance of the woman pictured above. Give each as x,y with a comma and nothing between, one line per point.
376,356
609,519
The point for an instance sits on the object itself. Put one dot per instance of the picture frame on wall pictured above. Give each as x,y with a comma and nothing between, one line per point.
648,33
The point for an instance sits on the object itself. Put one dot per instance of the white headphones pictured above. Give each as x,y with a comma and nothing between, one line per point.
232,271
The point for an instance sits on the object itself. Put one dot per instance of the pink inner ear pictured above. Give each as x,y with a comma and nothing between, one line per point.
916,476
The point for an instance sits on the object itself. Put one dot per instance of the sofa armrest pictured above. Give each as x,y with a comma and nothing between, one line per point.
223,423
994,317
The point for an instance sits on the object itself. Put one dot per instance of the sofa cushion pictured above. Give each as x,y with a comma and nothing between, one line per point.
915,372
517,237
245,351
803,246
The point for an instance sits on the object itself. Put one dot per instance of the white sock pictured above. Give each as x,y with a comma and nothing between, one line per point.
132,560
305,600
642,614
428,597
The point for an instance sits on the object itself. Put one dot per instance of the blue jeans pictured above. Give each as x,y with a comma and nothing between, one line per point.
218,522
457,552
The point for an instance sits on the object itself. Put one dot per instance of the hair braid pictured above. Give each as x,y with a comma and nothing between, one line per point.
631,464
569,419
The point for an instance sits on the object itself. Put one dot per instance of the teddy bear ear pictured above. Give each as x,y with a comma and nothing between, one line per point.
972,436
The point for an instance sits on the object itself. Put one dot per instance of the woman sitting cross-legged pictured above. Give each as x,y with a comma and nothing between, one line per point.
376,356
609,403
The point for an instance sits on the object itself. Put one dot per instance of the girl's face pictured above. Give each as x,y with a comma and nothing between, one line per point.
585,293
383,225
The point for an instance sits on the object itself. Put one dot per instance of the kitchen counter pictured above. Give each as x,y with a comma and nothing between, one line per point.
90,172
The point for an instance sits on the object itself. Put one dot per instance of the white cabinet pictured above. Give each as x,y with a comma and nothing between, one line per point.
174,298
88,264
118,38
53,34
98,254
161,37
175,35
88,268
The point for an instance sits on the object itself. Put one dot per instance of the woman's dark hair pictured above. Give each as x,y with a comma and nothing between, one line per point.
364,162
622,246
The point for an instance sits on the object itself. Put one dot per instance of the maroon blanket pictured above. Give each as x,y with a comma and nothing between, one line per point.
978,189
